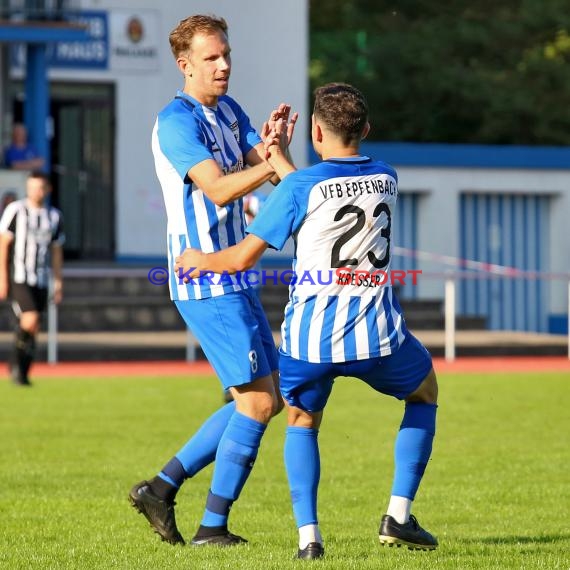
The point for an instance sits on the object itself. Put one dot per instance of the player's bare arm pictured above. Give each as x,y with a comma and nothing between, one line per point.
240,257
222,189
28,164
6,240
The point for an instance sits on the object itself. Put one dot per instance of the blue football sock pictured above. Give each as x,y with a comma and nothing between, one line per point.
413,448
234,460
303,464
200,450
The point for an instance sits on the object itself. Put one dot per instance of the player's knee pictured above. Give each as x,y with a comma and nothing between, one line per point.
265,409
296,417
258,400
276,406
259,406
30,321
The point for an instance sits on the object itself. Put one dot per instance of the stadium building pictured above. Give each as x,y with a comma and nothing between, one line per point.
103,87
89,76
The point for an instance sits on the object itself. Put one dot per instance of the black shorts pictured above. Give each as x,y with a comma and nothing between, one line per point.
27,298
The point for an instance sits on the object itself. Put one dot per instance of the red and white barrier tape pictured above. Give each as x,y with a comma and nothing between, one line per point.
492,268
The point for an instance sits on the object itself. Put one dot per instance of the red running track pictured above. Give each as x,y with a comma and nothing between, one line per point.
474,365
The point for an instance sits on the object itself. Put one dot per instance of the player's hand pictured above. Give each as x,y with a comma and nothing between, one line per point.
291,128
186,264
274,135
275,140
282,112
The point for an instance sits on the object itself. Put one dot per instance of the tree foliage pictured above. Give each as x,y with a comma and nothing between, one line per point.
489,71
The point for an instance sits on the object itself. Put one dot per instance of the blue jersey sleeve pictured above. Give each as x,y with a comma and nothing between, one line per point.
248,135
280,216
183,142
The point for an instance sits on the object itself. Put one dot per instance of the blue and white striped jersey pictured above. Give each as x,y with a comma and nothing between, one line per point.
186,133
339,213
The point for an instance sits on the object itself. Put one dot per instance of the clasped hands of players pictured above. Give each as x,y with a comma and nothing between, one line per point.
277,134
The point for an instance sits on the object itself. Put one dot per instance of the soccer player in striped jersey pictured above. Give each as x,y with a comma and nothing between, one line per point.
31,240
207,157
340,214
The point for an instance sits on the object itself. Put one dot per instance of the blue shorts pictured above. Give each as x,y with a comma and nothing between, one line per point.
307,385
234,334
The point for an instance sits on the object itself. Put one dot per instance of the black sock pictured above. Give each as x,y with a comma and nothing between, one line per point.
162,489
206,531
24,350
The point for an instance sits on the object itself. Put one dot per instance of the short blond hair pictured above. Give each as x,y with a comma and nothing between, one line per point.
181,37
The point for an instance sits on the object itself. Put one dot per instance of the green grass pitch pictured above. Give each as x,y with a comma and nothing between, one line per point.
496,491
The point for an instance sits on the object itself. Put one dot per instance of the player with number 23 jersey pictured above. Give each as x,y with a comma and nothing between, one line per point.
339,212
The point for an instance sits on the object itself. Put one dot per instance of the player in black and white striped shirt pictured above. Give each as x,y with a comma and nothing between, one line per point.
31,239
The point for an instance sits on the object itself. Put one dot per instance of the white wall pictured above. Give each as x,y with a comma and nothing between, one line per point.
13,181
269,41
